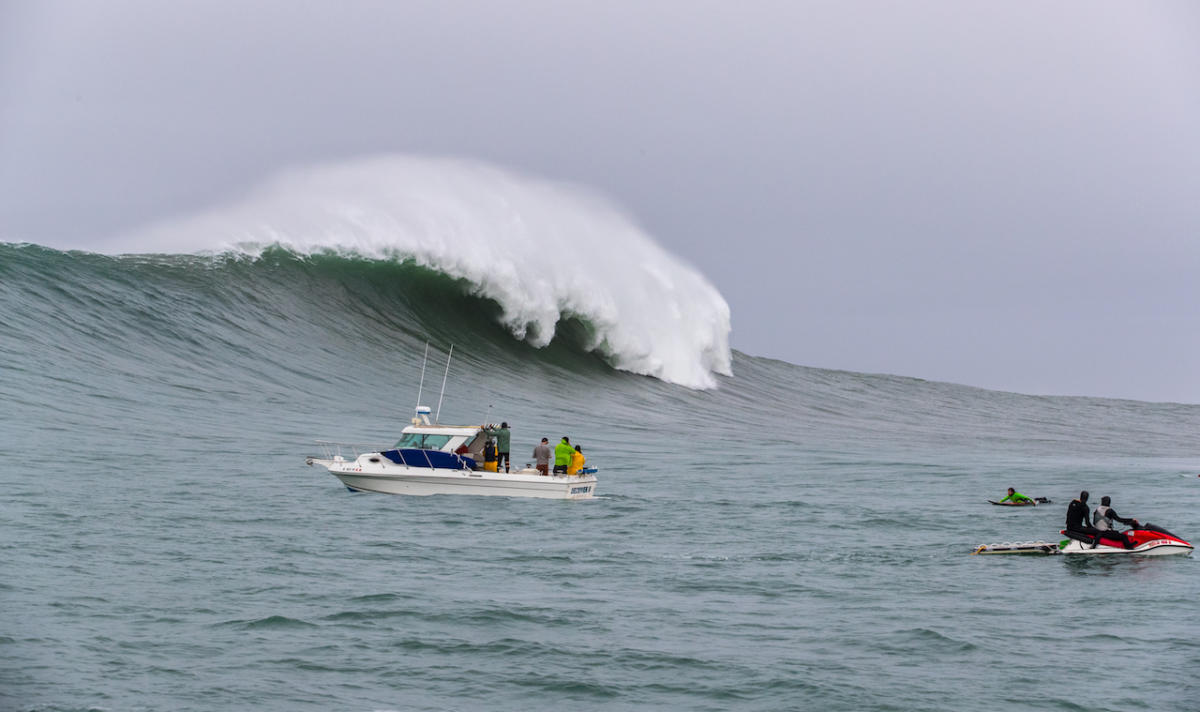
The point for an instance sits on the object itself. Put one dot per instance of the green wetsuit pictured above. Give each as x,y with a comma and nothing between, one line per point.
1016,497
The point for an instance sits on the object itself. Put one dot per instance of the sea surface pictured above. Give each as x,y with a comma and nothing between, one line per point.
790,539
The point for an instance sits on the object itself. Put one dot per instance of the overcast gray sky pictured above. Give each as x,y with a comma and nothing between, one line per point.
1001,194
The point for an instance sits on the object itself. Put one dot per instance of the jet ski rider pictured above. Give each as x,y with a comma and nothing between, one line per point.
1104,517
1078,519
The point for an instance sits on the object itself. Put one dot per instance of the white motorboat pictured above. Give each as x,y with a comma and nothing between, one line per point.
431,458
425,461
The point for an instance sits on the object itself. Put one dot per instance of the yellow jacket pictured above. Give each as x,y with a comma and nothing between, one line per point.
576,465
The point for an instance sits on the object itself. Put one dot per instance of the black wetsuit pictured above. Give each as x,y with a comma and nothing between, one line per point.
1079,519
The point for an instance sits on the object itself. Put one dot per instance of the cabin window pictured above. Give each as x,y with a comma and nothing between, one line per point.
423,441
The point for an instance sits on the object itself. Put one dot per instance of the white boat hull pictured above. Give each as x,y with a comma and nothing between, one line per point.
398,479
1162,547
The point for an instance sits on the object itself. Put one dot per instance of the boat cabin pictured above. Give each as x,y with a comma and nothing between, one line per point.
447,438
457,446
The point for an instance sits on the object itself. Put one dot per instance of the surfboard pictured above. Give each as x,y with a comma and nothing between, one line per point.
1023,547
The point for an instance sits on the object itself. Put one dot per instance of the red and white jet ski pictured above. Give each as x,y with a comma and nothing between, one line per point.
1146,539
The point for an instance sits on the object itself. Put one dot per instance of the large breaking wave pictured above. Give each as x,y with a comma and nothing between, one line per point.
543,251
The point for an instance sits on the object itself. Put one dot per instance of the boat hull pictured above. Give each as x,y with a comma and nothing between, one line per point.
1163,547
423,482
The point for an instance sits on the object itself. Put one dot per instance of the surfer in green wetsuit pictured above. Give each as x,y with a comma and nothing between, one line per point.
1016,497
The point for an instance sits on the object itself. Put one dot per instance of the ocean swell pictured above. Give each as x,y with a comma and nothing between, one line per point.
543,251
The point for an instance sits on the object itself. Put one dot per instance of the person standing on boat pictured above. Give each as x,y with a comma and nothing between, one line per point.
562,456
503,438
542,455
577,461
489,456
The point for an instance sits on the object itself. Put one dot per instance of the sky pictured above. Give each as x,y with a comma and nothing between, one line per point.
1005,195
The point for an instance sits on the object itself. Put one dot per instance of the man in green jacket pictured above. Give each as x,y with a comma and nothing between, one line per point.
562,455
503,438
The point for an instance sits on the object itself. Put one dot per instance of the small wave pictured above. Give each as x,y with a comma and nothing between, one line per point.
268,623
504,647
369,616
380,598
572,688
927,639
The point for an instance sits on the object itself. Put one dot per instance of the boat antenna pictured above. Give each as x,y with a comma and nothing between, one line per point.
422,386
437,418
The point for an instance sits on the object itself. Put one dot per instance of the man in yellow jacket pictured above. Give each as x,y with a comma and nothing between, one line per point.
562,456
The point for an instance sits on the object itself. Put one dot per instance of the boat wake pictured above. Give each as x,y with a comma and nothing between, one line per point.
544,252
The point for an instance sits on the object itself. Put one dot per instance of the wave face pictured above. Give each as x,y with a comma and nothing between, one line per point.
277,320
544,252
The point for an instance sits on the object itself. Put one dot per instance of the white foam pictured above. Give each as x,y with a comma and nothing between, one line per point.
542,250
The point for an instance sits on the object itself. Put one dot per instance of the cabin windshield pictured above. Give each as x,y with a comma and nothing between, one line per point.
423,441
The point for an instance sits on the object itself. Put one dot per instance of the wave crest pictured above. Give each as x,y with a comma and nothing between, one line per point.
543,251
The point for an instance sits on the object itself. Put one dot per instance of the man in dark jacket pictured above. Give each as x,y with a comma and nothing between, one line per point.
503,440
1078,517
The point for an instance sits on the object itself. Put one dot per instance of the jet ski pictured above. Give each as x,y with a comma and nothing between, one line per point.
1146,539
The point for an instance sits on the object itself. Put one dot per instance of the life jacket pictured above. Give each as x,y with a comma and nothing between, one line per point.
1102,519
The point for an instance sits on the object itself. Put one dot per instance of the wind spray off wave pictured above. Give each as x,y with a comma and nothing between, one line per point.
543,251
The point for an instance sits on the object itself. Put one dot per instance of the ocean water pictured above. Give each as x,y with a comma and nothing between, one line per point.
792,538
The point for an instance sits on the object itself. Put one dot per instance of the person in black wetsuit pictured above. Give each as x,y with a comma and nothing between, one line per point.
1078,517
1104,517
